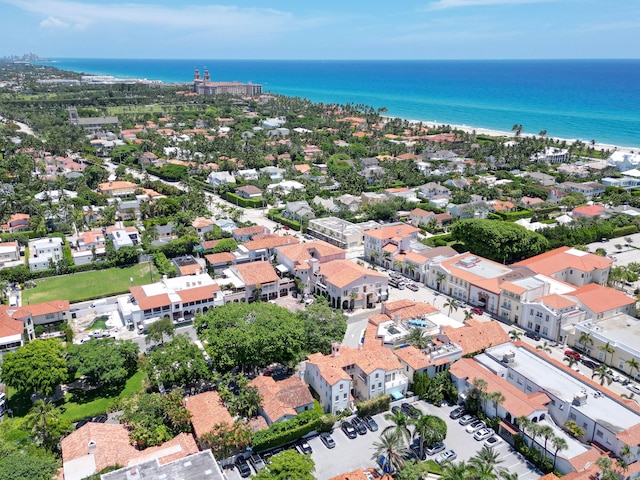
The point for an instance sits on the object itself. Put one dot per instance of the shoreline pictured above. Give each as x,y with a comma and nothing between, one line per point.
429,123
510,135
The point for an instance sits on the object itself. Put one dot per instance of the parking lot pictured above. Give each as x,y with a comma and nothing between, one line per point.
353,454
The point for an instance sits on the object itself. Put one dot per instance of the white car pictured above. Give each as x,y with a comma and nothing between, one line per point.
448,456
483,434
475,426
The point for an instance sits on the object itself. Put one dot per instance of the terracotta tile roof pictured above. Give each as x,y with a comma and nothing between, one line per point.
332,373
256,273
299,254
562,258
281,398
588,210
270,241
44,308
601,299
113,447
207,410
412,257
201,222
198,293
419,212
407,309
390,248
210,244
220,258
579,462
439,252
413,357
512,287
148,303
359,475
117,185
8,325
190,269
249,231
344,272
475,336
516,401
557,301
367,359
302,168
390,232
258,423
249,190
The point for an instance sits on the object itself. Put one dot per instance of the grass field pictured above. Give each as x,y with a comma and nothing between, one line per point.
88,285
77,406
138,109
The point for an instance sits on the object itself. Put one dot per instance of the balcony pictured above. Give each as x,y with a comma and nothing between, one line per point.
505,306
401,380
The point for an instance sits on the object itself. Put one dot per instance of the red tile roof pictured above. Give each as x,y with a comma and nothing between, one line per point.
8,325
44,308
601,299
344,272
220,258
207,410
270,241
565,257
256,273
280,399
392,231
476,336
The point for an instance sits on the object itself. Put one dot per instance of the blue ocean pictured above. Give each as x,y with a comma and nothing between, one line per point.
571,99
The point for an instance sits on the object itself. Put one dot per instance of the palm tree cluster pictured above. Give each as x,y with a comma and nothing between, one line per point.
551,443
484,465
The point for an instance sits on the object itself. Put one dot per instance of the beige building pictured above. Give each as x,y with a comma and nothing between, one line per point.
338,232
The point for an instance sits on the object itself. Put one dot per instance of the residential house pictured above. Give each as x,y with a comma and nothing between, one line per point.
276,174
44,253
47,314
217,262
117,188
588,189
402,192
372,198
570,265
207,410
225,224
349,202
11,332
249,192
551,155
255,281
588,211
299,211
247,233
262,246
285,187
18,222
339,232
624,160
187,265
433,190
294,259
349,375
217,179
474,337
177,298
191,466
96,446
469,210
326,203
502,206
372,175
460,183
202,225
148,159
9,254
347,284
420,217
248,174
381,243
282,400
54,196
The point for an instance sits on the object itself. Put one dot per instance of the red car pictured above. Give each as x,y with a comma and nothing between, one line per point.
476,311
571,353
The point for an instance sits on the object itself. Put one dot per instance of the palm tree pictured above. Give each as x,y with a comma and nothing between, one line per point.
558,443
516,334
571,360
546,432
455,471
478,470
544,346
496,398
429,428
602,372
451,304
505,475
607,348
585,339
397,265
633,365
573,429
400,424
44,419
390,446
488,455
418,338
468,315
440,277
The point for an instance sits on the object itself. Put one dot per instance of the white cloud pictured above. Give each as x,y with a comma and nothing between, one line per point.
446,4
53,22
217,19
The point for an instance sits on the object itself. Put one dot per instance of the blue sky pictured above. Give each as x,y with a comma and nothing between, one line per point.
326,29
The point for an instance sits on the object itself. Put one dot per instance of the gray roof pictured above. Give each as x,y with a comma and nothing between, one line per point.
199,466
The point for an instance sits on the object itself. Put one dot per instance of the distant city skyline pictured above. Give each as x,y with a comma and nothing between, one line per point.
426,29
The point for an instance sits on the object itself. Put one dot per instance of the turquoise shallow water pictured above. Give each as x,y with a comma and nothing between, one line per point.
585,99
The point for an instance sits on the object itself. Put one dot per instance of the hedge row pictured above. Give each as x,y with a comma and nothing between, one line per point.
625,231
277,217
284,432
513,216
242,202
374,405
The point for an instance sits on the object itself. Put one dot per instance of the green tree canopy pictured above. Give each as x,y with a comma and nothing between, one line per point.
27,465
158,329
106,362
288,465
251,336
323,325
502,242
36,367
225,245
177,363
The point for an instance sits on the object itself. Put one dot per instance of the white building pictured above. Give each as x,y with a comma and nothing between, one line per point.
43,252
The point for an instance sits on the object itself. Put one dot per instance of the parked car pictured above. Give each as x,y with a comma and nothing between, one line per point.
395,409
633,388
476,311
435,448
457,412
102,418
466,419
359,425
475,426
305,448
347,428
492,441
413,287
483,434
572,354
448,456
243,467
328,440
410,410
370,423
257,462
589,363
83,421
532,335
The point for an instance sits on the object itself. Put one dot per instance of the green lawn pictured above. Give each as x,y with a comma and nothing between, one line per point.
88,285
77,405
99,323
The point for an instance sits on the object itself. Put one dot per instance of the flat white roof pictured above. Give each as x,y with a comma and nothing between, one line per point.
171,285
621,331
605,411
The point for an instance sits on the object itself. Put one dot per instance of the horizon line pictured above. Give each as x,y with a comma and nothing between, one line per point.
351,59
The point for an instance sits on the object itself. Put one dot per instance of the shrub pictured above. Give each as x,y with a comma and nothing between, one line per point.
374,405
284,432
243,202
